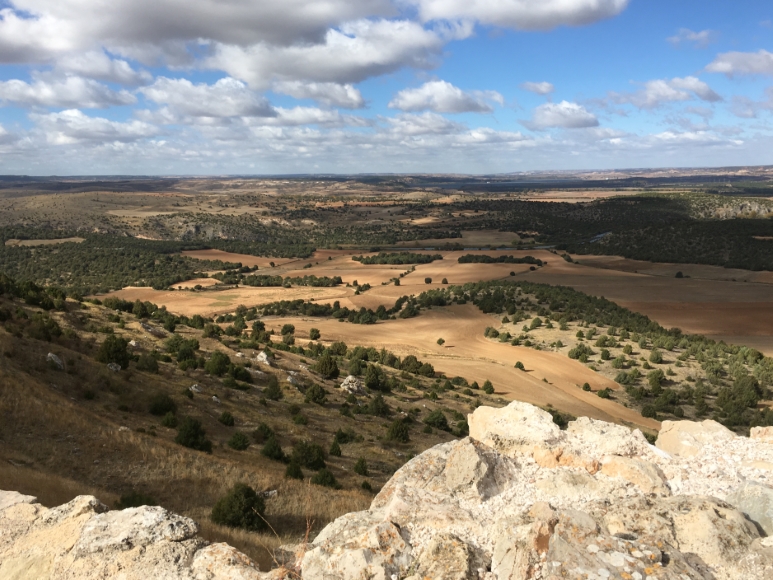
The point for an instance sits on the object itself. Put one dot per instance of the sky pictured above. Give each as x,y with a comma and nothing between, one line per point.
218,87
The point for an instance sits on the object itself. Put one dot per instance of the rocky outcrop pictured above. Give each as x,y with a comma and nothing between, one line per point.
521,499
83,540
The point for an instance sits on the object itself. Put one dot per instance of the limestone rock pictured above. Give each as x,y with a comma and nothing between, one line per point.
756,501
115,367
352,385
82,540
54,360
648,477
264,359
515,428
763,434
686,438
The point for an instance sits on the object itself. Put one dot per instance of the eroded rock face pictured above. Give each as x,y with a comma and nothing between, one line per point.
83,540
520,499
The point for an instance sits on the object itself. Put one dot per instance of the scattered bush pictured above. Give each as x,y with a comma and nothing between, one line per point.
262,433
294,471
226,419
217,364
309,455
326,479
169,420
241,507
113,350
239,441
272,450
316,394
335,449
398,431
273,391
361,467
162,404
437,420
314,334
147,364
191,434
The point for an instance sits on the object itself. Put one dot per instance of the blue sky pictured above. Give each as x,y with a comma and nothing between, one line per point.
460,86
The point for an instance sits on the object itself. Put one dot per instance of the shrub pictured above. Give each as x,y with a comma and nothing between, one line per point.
378,407
335,449
241,507
300,419
488,388
134,499
316,394
226,419
169,420
191,434
325,479
604,393
162,404
327,367
656,357
441,341
398,432
605,354
262,433
366,486
428,280
361,467
288,329
217,364
294,470
519,366
294,409
239,441
437,420
273,391
309,455
113,350
272,450
348,436
649,411
444,281
586,387
147,364
314,334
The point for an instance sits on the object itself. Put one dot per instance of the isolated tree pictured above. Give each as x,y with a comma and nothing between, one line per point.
327,367
113,350
335,449
191,434
294,471
437,420
239,441
316,394
241,507
361,467
217,364
273,391
398,431
488,388
314,334
272,450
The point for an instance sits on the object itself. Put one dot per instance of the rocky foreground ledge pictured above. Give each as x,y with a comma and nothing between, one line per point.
518,499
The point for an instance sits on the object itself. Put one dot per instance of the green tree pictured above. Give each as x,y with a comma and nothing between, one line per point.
324,478
241,507
316,394
294,470
378,407
488,388
226,419
327,367
335,449
217,364
161,404
437,420
147,363
398,431
239,441
309,455
273,391
262,433
113,350
656,357
191,434
272,450
361,467
314,334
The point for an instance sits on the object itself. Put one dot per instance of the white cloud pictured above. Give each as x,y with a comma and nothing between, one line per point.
329,94
443,97
521,14
542,88
72,126
658,92
699,39
99,66
743,63
35,30
561,115
69,92
425,123
225,98
298,116
747,108
355,52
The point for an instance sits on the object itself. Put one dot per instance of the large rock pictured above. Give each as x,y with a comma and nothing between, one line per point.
83,540
520,499
352,385
686,439
756,501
